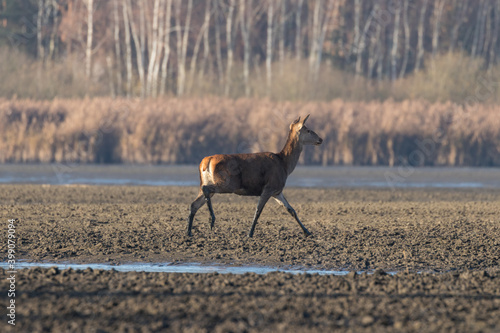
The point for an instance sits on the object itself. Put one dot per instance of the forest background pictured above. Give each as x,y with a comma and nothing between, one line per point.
169,81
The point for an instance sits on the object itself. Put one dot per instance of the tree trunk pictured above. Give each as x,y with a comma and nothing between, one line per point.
182,41
142,46
206,42
138,46
438,11
194,57
361,46
55,26
395,40
358,6
421,31
39,26
298,32
230,46
269,45
153,52
166,45
245,25
281,43
218,51
406,26
374,44
494,40
116,36
159,50
459,19
128,48
314,34
90,33
475,40
325,22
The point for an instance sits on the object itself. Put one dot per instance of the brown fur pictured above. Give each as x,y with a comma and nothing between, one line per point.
257,174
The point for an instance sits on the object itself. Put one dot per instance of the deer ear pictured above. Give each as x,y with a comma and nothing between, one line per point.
304,121
296,121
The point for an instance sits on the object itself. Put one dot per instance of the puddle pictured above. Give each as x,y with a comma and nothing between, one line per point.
177,268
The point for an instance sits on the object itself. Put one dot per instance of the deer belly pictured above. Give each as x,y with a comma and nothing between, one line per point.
248,191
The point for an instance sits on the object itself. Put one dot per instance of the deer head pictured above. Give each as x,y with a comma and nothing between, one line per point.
304,134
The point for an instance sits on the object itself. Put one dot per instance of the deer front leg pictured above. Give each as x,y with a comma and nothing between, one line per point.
282,201
262,202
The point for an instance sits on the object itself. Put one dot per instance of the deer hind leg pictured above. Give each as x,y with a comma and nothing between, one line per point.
260,206
282,201
197,203
208,192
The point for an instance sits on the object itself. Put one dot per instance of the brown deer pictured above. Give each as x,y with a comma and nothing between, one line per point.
257,174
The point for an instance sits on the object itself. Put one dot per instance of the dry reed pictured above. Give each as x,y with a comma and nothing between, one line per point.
105,130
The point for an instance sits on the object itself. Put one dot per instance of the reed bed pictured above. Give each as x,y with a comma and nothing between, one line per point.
182,131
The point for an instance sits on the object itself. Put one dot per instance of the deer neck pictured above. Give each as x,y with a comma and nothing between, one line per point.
291,152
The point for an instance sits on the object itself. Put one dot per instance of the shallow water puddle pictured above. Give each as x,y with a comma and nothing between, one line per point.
176,268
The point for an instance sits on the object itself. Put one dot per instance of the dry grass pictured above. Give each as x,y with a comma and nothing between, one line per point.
103,130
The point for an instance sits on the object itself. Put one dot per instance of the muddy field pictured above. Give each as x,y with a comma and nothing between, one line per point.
447,240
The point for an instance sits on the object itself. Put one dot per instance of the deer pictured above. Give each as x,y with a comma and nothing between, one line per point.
254,174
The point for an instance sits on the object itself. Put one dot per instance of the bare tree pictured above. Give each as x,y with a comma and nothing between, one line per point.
166,46
230,46
281,42
159,50
494,40
375,42
245,26
218,46
138,46
90,33
39,27
269,44
182,41
475,40
395,39
361,45
206,42
201,34
420,43
298,27
406,52
116,36
155,47
438,12
55,25
128,47
459,19
320,23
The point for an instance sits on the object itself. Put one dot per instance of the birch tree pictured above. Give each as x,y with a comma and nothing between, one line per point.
395,40
298,27
90,32
116,37
406,52
166,47
182,41
269,44
229,46
421,31
201,34
128,48
438,12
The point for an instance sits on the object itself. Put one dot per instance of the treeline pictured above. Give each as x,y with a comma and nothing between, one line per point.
179,131
246,48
